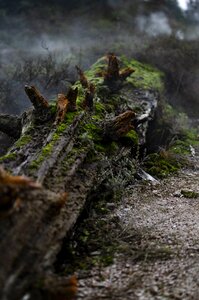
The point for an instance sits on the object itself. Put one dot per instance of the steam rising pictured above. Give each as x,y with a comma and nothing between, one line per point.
155,24
42,46
183,4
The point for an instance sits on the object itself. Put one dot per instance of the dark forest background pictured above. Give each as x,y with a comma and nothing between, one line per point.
41,41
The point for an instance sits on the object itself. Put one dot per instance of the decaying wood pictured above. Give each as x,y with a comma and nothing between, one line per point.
60,288
41,112
113,73
11,188
53,178
113,68
120,125
66,103
89,89
72,98
38,101
126,73
62,107
89,96
82,78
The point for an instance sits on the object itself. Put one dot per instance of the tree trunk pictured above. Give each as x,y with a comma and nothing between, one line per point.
68,157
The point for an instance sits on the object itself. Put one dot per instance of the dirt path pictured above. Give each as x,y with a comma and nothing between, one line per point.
158,253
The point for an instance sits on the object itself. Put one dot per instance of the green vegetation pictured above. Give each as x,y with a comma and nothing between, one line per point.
9,156
47,150
93,244
190,194
132,137
145,76
169,161
24,140
176,140
162,164
189,138
53,108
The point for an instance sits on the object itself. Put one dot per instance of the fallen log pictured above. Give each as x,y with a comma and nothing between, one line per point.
62,158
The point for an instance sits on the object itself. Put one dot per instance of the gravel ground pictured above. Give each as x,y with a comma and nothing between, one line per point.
158,252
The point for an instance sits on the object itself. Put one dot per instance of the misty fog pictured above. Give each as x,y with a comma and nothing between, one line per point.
41,42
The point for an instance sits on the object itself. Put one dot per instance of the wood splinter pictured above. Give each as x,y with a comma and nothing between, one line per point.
113,72
89,96
120,125
72,98
89,90
62,107
83,80
11,188
7,179
38,101
55,288
65,104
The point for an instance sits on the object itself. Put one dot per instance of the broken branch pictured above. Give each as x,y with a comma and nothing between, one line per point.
112,73
38,101
62,106
89,96
120,125
82,78
72,98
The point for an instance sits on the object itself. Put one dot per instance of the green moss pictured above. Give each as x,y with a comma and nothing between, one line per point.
9,156
190,194
188,137
100,109
70,117
24,140
47,150
73,155
94,74
93,243
81,94
161,165
93,132
175,157
132,136
53,108
145,76
180,147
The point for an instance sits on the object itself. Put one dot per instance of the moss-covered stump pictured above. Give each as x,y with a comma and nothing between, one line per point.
69,150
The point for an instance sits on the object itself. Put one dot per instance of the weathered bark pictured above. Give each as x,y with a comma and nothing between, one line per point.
119,126
113,68
67,163
82,78
38,101
114,75
89,90
72,97
89,96
41,111
62,106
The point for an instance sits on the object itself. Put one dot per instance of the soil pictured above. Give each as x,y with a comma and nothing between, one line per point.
157,234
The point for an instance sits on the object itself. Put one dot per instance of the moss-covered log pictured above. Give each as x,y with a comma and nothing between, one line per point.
68,157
